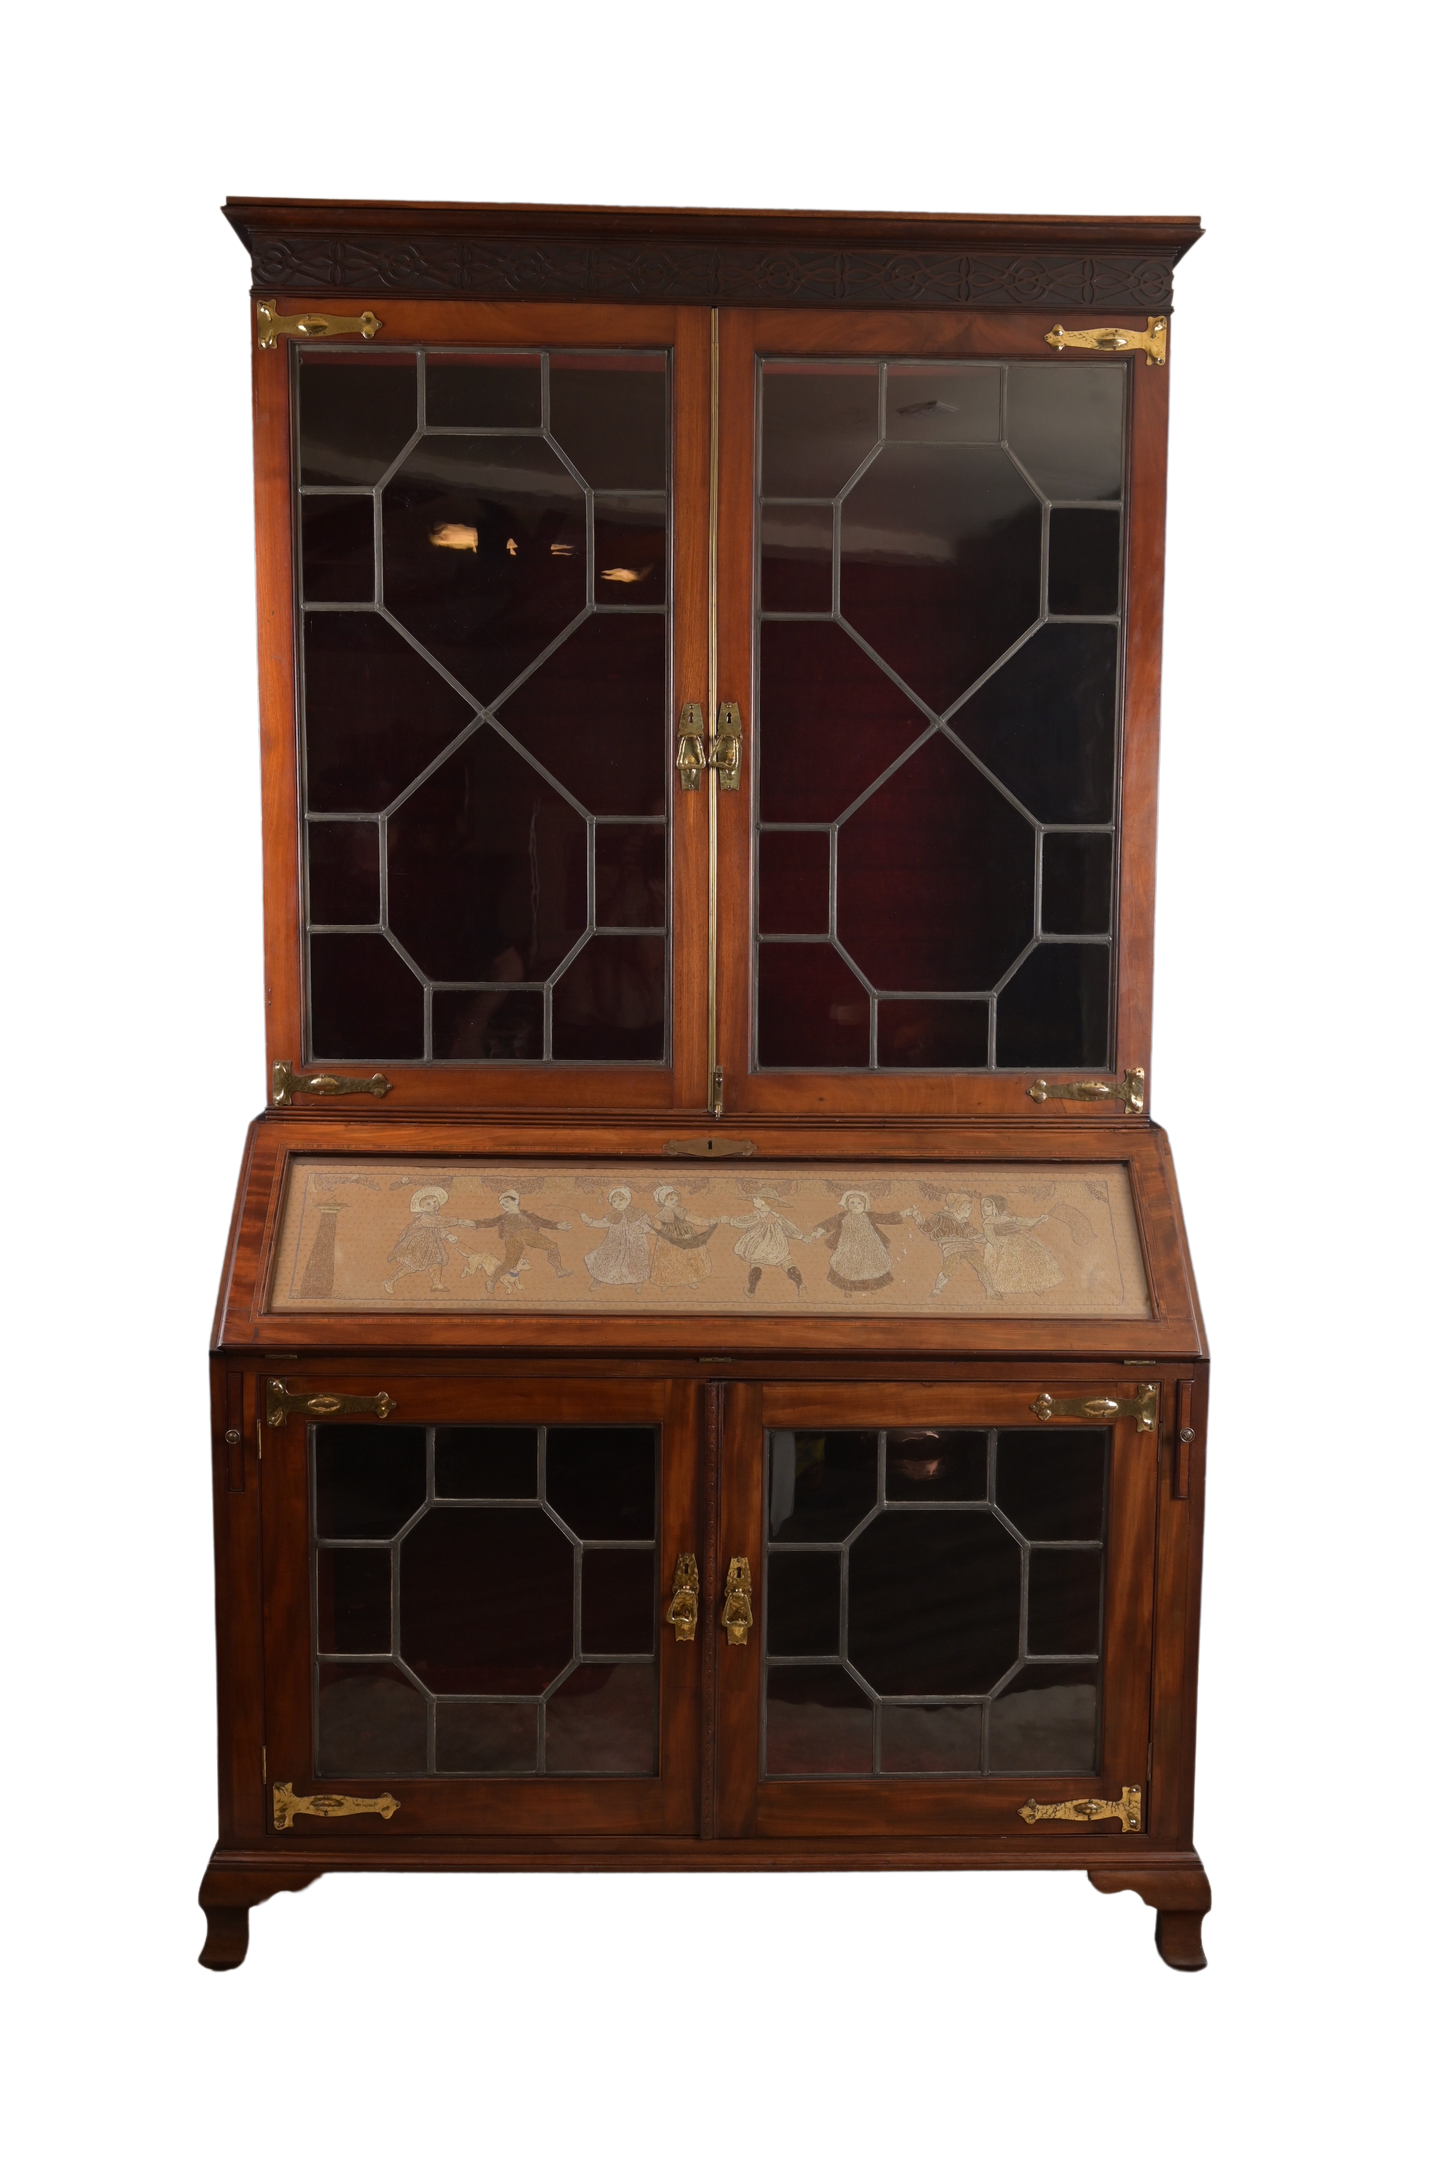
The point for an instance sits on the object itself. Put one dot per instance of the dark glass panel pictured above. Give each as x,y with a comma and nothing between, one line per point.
630,550
486,1600
487,868
630,876
940,563
830,722
337,546
1051,1484
364,1000
1044,1723
1076,900
1064,1602
482,390
604,1720
486,1737
811,1009
1084,561
817,1722
353,1596
372,1722
1066,424
822,1483
931,1740
484,540
796,548
938,1036
494,1460
607,412
794,881
368,1482
818,419
594,714
934,1602
1045,724
802,1607
617,1602
357,412
936,1465
602,1481
1056,1010
475,1025
344,872
936,403
375,713
935,879
610,1002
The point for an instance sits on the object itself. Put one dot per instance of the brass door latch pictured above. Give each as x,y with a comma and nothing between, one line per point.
1126,1809
285,1087
738,1613
281,1404
326,1805
1131,1090
690,758
1150,341
727,743
684,1611
1103,1408
269,326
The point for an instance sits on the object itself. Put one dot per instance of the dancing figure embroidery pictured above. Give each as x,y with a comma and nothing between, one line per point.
859,1247
949,1229
623,1259
766,1241
681,1257
519,1232
421,1248
1015,1262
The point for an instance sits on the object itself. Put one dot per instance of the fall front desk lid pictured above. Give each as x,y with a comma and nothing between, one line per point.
600,1237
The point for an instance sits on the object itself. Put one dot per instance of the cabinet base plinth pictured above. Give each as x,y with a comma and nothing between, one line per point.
228,1893
1179,1896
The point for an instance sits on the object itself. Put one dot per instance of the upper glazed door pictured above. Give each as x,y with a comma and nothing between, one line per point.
939,587
488,524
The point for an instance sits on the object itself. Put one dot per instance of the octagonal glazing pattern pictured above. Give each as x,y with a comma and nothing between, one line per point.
940,617
482,559
933,1601
485,1599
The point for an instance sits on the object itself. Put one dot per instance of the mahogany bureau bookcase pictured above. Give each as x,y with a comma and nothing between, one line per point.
707,1371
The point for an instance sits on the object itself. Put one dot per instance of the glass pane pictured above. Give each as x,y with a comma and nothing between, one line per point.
936,1465
357,412
482,389
364,1000
607,412
1056,1010
832,722
376,714
630,550
629,876
353,1602
822,1483
934,1602
1064,1603
1077,883
610,1002
594,715
617,1602
1084,561
794,881
796,553
602,1481
817,1722
1051,1484
486,1737
937,1033
932,402
811,1009
344,872
471,1025
934,1739
1046,1721
489,1461
337,546
1066,424
487,1600
368,1482
604,1720
802,1603
371,1721
819,419
1045,723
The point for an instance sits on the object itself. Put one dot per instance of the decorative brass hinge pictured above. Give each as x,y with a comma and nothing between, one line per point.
684,1608
1131,1091
1126,1809
690,753
283,1404
1150,341
271,326
1144,1406
726,745
708,1149
738,1614
327,1805
284,1086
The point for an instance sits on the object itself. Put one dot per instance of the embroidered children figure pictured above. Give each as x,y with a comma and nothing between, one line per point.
859,1247
623,1259
420,1248
680,1257
521,1232
766,1241
1016,1263
959,1244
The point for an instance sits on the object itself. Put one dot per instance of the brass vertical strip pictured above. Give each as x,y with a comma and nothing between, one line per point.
709,1604
712,779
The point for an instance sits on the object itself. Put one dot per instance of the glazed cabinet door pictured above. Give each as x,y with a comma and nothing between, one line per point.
951,1608
463,1608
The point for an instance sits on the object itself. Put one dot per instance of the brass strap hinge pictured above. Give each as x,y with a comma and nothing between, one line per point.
707,1149
684,1611
727,741
1126,1809
271,326
1150,341
327,1805
690,759
1130,1090
282,1404
285,1087
1104,1408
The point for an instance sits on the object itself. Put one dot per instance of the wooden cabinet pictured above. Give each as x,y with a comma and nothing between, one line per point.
708,1371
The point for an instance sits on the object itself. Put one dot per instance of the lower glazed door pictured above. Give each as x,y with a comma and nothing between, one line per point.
951,1609
463,1599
